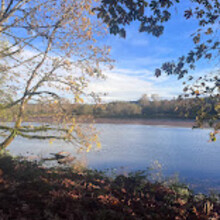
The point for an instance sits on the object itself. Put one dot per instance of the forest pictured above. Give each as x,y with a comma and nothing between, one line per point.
152,107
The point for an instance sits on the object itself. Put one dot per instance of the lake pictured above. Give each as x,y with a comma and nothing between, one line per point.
179,150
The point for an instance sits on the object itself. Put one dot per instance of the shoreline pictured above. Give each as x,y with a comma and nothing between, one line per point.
188,123
163,122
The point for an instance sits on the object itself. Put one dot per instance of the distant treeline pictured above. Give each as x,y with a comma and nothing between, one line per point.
142,108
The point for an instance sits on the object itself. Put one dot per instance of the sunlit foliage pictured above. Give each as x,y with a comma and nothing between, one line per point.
51,52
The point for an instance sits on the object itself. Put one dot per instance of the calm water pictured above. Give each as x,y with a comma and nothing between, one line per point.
179,150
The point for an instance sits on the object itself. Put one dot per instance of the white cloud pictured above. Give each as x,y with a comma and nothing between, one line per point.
124,86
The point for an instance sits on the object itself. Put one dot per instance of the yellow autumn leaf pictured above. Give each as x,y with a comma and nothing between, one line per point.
71,130
84,19
88,34
217,107
89,148
91,12
79,99
197,92
99,146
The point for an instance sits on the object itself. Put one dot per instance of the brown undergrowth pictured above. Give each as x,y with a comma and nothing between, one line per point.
29,191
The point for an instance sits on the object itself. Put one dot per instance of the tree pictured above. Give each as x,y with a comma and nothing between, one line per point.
151,15
123,109
155,97
144,100
205,93
55,56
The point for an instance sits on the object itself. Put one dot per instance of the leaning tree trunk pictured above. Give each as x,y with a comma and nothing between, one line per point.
13,134
8,140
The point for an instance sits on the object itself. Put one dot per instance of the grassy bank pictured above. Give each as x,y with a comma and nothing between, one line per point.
29,191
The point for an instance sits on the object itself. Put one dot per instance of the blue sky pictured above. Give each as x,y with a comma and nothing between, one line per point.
139,54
